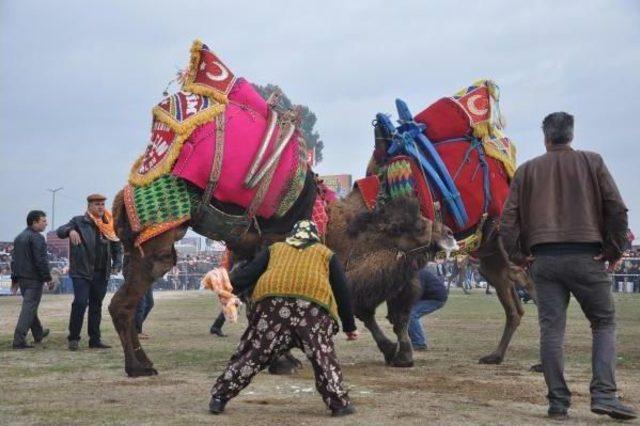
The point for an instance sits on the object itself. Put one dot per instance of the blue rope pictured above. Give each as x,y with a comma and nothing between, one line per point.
486,185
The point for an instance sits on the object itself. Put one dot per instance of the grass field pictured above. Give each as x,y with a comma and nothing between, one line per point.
50,385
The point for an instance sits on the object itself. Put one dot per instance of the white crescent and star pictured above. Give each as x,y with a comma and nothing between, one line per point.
471,106
222,76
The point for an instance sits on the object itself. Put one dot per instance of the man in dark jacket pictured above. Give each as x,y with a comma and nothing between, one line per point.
29,272
434,296
95,253
565,214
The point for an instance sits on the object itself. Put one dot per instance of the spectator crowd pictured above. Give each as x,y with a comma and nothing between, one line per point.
190,268
186,275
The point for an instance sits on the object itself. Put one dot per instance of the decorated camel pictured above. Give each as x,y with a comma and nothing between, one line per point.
232,166
454,157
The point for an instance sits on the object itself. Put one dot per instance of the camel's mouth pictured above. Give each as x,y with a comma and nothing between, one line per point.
448,243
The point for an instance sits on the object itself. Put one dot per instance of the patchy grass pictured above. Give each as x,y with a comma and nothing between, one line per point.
50,385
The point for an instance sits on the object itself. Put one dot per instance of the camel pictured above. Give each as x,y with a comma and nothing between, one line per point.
494,263
381,250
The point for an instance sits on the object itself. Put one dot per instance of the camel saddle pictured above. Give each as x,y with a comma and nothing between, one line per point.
456,149
220,137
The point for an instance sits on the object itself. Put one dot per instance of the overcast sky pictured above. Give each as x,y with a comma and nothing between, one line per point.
79,78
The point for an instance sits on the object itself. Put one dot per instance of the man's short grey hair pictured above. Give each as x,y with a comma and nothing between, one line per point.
558,128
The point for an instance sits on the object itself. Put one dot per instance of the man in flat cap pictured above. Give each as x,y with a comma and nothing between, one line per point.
95,253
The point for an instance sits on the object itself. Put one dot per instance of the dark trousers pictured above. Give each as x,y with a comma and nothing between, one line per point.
276,325
556,278
28,320
219,321
87,293
144,307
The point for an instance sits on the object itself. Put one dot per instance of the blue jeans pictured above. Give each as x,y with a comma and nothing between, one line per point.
144,307
420,309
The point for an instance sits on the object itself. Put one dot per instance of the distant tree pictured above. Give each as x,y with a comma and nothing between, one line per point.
307,121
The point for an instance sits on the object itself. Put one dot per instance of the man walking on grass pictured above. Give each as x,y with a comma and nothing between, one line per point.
566,218
29,272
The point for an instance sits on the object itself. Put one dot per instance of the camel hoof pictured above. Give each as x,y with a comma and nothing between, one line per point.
389,353
285,366
281,370
142,372
491,359
536,368
402,364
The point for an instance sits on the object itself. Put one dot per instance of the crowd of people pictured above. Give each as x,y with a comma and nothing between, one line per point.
185,275
626,275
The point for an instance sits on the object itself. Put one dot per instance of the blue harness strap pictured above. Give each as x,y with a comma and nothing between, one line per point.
404,142
486,185
406,119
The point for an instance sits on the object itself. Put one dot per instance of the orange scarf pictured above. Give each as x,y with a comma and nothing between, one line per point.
105,225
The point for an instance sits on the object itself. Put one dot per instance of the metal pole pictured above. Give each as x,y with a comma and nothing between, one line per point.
53,206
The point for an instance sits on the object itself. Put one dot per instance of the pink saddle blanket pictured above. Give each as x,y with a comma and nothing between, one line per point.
245,124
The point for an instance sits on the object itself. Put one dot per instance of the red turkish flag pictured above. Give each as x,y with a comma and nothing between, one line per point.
476,104
211,73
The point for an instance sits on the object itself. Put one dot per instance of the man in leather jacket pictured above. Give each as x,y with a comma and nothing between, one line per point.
29,272
95,253
565,217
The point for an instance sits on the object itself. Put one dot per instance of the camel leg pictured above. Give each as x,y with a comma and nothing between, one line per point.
139,273
521,276
513,310
122,308
399,317
386,346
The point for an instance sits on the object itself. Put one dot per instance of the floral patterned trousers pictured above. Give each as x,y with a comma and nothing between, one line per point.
276,325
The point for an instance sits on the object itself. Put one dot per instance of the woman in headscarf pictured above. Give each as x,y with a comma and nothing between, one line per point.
299,294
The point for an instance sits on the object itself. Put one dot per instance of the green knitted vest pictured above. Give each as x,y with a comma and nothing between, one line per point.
300,273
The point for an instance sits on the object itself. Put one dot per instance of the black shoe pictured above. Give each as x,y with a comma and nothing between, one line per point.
615,410
74,345
217,331
216,406
45,333
558,413
99,345
420,348
344,411
22,346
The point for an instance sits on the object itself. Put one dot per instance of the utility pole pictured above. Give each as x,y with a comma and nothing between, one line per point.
53,206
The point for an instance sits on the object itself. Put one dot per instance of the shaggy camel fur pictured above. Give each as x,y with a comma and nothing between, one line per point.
372,245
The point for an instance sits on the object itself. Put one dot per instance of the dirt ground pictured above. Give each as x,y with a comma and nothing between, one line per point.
50,385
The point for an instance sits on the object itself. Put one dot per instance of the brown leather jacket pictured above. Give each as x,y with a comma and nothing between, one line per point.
564,196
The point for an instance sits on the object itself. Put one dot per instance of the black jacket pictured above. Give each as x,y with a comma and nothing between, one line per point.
29,257
82,257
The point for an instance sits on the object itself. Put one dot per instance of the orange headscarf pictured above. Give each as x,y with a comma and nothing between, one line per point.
105,225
